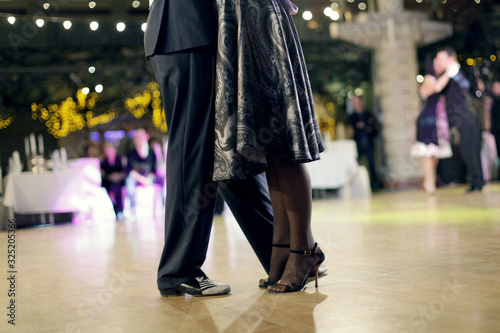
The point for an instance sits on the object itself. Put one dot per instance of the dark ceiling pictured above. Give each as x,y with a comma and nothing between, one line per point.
50,64
444,9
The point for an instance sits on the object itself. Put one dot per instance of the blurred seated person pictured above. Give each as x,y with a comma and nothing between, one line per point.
161,168
93,149
161,162
126,143
141,165
364,129
113,177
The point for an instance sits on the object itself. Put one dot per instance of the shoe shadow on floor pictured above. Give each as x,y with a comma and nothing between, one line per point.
277,311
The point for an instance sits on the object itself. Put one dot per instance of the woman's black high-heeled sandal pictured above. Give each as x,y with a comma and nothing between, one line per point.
290,287
269,282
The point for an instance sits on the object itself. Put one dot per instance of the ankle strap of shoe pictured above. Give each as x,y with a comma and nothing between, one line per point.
306,253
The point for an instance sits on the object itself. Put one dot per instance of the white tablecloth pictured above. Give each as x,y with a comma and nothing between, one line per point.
32,193
337,166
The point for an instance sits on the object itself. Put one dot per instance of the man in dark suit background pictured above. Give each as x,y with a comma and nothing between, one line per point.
364,129
461,116
180,42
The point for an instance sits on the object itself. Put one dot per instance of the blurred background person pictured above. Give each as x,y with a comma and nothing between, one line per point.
364,128
161,170
141,165
93,149
161,164
432,139
495,116
482,104
113,177
126,143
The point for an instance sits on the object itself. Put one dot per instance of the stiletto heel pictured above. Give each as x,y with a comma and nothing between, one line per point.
316,276
290,287
264,283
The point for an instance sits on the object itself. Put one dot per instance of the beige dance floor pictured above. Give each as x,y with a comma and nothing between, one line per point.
398,262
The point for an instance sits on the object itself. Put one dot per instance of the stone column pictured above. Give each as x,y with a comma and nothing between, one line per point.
394,35
397,89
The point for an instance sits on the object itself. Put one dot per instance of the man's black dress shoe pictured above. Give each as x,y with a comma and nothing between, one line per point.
474,188
200,286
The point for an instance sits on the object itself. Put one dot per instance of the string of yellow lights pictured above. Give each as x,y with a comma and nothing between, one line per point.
67,22
73,115
4,123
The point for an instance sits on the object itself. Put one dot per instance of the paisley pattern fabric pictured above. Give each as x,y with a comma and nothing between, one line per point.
264,104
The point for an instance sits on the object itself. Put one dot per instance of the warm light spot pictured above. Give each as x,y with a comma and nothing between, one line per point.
313,25
471,62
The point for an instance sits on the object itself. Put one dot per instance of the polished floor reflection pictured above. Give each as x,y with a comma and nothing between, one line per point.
398,262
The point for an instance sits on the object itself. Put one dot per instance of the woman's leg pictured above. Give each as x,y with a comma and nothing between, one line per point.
429,174
281,226
293,184
435,162
295,190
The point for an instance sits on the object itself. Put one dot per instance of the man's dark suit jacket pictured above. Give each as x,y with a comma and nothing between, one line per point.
176,25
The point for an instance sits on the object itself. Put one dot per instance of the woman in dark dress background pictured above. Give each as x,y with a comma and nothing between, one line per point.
432,141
